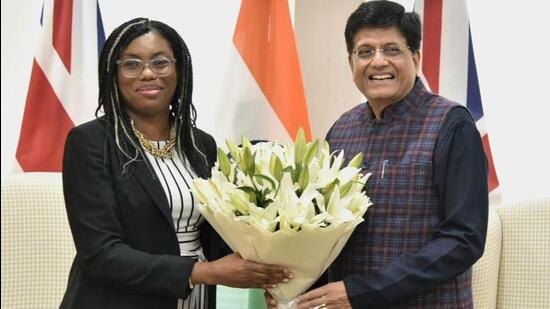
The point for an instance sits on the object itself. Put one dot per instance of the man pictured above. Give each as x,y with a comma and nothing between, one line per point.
428,223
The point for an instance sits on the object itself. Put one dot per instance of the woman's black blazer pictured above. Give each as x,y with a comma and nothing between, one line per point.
127,253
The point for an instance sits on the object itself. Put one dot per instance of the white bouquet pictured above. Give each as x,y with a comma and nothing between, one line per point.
291,205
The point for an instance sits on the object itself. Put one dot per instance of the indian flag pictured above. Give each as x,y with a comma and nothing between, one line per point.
263,92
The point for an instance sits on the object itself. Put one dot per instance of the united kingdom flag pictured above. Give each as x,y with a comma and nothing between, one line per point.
448,62
63,83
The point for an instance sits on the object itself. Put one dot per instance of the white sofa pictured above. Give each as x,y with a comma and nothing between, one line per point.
514,271
37,249
37,246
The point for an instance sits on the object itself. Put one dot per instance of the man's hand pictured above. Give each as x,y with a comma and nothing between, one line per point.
270,301
332,295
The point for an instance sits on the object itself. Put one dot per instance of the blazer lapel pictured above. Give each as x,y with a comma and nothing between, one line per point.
154,189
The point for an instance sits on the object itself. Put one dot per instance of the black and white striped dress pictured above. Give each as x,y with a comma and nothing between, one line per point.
175,175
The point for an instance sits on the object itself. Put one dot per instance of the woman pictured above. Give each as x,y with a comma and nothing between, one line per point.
140,240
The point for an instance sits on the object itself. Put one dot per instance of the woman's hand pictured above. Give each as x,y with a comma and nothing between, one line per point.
234,271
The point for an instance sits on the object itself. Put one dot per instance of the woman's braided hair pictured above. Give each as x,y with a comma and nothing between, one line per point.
182,111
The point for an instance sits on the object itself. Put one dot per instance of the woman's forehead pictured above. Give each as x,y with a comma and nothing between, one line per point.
149,43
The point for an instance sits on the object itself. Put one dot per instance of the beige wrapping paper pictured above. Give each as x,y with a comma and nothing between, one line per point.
307,253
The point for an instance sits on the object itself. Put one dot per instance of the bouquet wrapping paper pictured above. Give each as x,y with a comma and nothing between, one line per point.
291,205
306,253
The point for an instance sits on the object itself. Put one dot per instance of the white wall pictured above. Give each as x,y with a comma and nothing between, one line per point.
509,41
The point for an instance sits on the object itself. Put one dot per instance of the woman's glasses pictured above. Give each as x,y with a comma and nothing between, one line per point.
132,68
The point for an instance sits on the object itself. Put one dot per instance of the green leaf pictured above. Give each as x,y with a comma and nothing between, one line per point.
261,177
357,160
265,192
246,189
223,160
250,192
299,146
288,169
263,201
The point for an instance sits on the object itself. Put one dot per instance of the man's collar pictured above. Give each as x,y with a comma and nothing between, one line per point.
401,107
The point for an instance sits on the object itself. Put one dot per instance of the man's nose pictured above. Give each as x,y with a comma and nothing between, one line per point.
378,58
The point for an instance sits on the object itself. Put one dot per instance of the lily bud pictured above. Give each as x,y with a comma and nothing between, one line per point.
276,167
299,147
248,164
245,142
311,152
357,160
223,161
303,180
235,151
240,204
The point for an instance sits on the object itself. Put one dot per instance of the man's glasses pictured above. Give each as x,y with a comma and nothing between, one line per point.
132,68
366,53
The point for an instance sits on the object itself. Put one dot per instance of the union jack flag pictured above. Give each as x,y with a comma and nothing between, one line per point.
448,63
63,83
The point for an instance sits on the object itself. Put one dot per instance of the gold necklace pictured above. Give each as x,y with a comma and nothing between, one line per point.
162,153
